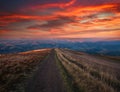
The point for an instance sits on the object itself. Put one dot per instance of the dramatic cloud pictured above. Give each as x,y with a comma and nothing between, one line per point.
60,19
51,24
53,5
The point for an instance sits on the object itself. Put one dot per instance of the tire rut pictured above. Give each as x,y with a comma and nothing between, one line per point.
47,78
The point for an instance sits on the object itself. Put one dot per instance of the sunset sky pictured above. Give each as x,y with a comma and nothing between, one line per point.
39,19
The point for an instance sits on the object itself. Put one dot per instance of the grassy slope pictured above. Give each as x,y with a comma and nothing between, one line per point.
64,73
81,72
89,73
15,69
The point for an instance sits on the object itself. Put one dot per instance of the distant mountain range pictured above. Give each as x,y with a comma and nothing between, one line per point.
98,47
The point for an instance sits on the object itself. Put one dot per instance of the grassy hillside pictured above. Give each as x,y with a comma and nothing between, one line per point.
82,72
15,69
90,73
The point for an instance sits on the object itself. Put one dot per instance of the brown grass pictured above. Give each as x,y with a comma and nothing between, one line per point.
16,68
90,74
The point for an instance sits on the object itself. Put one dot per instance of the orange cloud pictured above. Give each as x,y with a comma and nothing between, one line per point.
3,31
80,21
8,19
60,5
21,16
86,10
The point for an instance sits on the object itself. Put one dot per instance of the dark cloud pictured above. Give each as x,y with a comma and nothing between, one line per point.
61,21
17,5
47,15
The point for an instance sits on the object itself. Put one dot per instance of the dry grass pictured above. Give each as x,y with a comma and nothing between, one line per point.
89,73
16,68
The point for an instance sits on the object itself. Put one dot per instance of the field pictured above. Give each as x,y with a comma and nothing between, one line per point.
15,69
59,70
90,73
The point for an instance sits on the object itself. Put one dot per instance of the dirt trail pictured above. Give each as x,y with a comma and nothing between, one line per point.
47,78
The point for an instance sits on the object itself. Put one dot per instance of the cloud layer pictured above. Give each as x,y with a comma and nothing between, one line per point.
60,19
